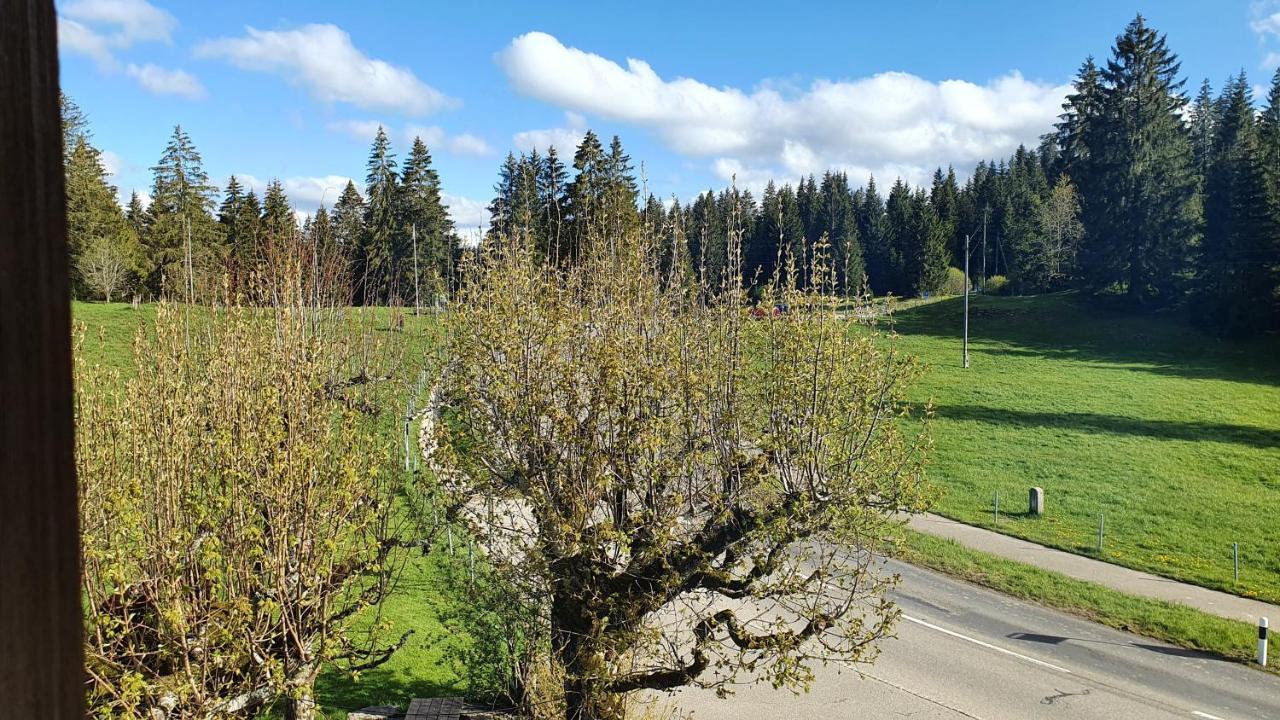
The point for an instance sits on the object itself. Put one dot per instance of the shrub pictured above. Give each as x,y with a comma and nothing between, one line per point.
997,285
235,502
954,284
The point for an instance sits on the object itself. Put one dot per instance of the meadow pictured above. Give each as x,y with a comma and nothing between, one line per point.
1173,434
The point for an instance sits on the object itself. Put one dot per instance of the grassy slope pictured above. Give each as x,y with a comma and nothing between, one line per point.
1175,435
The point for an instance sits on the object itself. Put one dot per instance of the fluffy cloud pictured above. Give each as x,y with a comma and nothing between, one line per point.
160,81
892,123
565,139
434,136
323,59
306,193
78,38
129,21
99,28
467,214
1265,24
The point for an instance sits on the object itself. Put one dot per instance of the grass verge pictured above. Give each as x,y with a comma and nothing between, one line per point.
1172,623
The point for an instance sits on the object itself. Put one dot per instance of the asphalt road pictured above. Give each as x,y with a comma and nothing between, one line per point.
966,652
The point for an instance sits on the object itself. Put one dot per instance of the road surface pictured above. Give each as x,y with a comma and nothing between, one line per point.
966,652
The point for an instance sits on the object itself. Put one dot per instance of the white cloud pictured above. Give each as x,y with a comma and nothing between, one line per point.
78,38
434,136
1271,61
468,215
889,123
1265,24
323,59
161,81
306,193
98,28
468,144
565,139
359,129
130,21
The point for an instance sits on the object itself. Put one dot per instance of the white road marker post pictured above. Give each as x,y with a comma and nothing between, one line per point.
1262,641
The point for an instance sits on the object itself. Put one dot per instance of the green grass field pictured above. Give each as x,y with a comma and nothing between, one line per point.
1173,434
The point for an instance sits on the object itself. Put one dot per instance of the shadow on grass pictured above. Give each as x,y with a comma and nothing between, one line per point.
1115,425
337,691
1074,327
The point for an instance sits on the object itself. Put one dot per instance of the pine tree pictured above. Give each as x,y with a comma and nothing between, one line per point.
621,193
95,222
183,242
136,215
1269,140
922,243
381,252
319,230
552,204
586,195
945,198
501,212
838,221
75,125
278,220
1143,210
873,231
1237,251
1204,122
427,224
348,222
761,256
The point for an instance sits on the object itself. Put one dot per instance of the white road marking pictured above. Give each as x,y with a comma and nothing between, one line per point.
987,645
1205,715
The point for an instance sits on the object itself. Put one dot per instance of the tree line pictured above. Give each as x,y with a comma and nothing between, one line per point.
1137,191
396,242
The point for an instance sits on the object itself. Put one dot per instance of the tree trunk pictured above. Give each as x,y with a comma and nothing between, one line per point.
302,704
581,660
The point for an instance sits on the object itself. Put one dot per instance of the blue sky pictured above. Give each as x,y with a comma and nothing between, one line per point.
292,90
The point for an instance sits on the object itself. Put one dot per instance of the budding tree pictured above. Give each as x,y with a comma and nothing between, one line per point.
236,504
684,488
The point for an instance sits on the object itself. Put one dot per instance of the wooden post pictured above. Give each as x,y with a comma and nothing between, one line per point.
41,653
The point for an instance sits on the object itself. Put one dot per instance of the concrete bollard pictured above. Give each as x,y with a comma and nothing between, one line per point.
1262,641
1035,503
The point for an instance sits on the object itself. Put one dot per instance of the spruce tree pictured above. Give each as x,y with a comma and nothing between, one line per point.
381,250
95,222
586,195
1203,120
621,193
278,220
1236,253
838,221
348,222
552,184
182,241
873,231
1143,235
502,222
426,222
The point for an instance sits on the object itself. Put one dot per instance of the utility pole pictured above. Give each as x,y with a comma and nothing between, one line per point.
985,211
416,302
966,300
